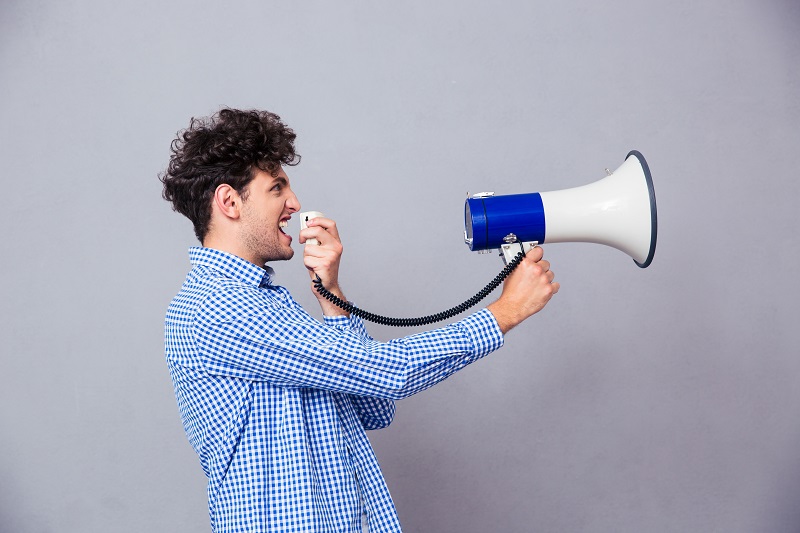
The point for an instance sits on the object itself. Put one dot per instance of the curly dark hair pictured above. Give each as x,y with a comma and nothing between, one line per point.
228,147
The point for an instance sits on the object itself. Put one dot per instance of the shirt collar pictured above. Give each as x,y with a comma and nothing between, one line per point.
232,266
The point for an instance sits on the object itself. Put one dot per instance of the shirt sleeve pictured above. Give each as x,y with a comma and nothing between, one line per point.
374,413
244,336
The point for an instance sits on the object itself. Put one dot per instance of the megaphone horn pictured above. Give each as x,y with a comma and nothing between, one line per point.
618,211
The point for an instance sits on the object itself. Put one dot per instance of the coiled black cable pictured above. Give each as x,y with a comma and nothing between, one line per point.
421,321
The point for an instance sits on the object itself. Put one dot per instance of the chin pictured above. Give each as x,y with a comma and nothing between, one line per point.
283,255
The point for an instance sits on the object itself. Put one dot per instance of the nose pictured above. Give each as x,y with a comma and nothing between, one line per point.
292,203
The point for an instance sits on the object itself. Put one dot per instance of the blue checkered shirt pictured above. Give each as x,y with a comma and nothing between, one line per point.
276,403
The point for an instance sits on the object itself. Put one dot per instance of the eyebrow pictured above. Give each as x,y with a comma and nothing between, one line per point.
279,179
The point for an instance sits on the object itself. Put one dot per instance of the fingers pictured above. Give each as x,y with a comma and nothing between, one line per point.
326,224
316,263
317,234
322,259
325,235
319,259
526,291
535,254
542,267
328,249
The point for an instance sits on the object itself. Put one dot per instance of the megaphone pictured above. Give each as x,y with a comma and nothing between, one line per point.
618,211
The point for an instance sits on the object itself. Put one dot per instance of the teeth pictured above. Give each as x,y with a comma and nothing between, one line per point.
283,223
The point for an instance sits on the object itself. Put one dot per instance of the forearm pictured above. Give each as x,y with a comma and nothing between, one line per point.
507,316
329,308
430,356
458,344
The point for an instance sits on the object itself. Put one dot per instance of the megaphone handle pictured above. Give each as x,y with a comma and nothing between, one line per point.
510,250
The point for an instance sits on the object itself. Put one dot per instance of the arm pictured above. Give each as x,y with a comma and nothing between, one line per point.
250,334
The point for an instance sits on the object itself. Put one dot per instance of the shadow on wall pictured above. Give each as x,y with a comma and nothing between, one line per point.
782,504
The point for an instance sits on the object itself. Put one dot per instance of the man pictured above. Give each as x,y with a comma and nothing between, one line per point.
274,402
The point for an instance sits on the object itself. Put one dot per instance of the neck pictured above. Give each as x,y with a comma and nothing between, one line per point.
232,247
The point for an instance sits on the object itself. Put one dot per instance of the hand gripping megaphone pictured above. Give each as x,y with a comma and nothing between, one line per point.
618,211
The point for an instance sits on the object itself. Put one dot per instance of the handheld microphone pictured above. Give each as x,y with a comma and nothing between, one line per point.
304,218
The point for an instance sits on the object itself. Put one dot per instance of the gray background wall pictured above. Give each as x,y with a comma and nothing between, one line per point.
660,400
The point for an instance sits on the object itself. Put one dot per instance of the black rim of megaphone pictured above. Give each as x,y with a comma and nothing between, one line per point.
653,212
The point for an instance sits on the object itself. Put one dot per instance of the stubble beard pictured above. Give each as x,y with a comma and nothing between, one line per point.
271,250
265,246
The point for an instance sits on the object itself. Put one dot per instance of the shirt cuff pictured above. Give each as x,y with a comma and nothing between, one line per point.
336,320
352,322
483,331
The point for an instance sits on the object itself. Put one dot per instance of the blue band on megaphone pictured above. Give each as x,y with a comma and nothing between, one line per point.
489,220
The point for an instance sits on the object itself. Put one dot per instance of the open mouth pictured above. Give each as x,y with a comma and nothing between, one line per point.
282,225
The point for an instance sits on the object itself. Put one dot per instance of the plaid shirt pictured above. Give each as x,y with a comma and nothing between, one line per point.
275,403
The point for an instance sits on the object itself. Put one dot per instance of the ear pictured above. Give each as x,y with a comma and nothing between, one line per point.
227,201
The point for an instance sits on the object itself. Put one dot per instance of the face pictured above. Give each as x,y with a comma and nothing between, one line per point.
265,213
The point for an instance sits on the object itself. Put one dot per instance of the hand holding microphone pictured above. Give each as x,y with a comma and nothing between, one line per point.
322,254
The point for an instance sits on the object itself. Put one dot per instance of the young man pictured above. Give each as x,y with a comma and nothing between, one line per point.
274,402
